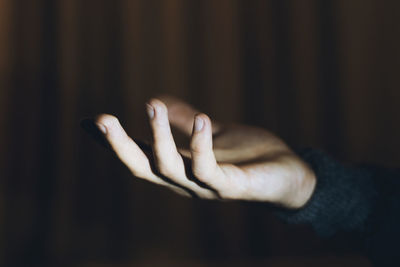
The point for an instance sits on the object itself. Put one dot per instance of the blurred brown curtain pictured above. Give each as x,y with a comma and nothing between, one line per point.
318,73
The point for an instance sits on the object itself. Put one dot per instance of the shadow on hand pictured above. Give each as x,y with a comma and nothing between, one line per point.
90,127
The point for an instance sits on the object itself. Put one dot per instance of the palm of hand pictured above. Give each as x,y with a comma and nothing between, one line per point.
226,161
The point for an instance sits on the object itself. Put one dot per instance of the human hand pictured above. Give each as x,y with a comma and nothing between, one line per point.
228,162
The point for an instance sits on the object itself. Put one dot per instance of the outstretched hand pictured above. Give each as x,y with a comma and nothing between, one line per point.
232,162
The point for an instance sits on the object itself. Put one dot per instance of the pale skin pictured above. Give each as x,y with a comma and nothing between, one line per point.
227,162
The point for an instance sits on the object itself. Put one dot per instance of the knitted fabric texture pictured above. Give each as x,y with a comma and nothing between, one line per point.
342,200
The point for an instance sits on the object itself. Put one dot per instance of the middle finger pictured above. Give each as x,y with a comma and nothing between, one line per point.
167,158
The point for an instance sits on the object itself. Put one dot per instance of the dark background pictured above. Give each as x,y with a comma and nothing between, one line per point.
318,73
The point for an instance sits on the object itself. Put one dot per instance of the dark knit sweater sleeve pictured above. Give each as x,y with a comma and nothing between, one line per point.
360,199
342,199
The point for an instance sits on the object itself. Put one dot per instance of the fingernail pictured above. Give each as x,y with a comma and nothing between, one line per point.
198,124
150,111
102,128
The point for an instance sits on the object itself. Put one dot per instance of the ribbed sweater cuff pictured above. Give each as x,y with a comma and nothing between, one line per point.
342,199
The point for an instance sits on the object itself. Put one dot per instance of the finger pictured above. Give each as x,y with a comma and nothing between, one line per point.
167,158
127,150
204,164
181,114
169,162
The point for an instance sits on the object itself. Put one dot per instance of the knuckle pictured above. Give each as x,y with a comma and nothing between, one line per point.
196,148
204,174
200,174
166,170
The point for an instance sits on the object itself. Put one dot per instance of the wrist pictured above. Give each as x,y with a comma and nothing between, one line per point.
310,182
304,188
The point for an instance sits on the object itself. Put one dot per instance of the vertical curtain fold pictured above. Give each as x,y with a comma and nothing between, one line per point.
317,73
